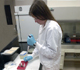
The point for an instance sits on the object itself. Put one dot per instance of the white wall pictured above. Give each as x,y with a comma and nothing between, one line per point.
63,3
7,32
25,2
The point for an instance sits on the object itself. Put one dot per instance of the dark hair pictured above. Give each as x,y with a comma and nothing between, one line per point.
40,10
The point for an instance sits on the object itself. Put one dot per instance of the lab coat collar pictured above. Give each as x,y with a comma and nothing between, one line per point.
43,27
47,22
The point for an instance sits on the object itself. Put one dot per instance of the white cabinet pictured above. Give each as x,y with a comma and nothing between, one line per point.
63,3
69,49
62,59
66,13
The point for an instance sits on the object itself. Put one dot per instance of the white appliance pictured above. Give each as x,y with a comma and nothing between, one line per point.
25,23
66,13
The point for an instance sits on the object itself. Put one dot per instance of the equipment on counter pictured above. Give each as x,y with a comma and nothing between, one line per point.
66,38
31,40
22,65
23,54
73,38
9,54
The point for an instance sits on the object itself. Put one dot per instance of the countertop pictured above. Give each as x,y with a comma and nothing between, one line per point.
32,64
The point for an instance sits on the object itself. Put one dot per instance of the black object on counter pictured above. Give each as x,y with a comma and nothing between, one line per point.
1,62
66,38
7,58
10,57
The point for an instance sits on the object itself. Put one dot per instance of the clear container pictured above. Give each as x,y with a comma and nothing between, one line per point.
23,54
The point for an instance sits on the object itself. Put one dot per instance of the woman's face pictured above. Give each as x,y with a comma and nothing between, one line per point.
41,22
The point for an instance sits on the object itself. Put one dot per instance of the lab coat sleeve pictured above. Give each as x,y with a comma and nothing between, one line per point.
35,53
52,43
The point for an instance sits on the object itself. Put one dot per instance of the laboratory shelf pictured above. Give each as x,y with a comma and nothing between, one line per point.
72,59
69,52
63,43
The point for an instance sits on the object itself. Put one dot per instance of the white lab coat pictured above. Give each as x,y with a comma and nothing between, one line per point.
48,46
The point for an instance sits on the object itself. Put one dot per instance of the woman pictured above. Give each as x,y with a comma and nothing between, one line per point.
48,46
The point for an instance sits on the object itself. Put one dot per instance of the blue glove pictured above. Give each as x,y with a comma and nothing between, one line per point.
30,40
27,58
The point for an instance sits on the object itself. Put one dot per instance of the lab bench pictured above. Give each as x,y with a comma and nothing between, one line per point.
32,65
69,52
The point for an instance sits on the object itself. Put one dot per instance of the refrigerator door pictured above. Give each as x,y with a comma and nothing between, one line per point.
18,27
26,26
20,9
25,23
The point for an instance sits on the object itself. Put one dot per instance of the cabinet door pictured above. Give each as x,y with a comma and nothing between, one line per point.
62,59
66,13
